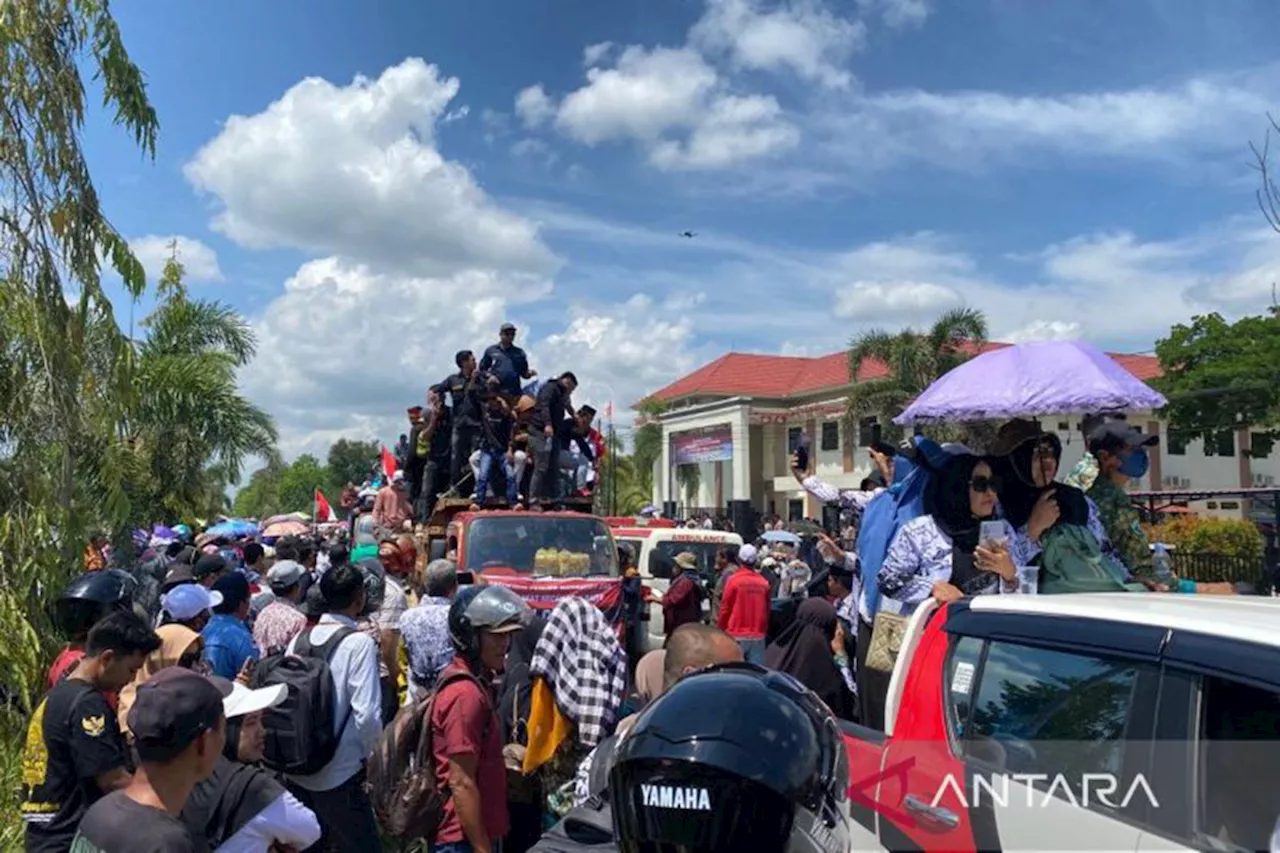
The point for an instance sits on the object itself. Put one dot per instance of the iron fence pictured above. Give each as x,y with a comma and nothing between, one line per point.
1217,568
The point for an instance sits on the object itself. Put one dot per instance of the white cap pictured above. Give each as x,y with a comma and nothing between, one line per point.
243,701
397,476
747,555
189,600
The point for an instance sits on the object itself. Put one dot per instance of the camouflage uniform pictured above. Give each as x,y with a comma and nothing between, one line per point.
1122,523
1084,474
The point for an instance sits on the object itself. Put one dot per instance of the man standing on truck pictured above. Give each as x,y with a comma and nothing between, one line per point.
506,362
547,426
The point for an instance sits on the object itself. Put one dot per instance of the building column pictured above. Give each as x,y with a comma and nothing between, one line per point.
740,430
811,506
1153,453
662,479
1244,444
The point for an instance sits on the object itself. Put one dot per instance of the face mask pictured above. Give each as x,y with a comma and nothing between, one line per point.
1135,464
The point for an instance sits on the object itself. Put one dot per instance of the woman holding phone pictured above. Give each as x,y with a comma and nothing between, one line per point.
944,554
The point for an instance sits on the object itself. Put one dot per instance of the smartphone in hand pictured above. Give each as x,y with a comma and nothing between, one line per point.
991,535
802,452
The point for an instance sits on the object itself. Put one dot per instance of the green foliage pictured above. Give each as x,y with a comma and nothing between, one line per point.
619,476
1231,537
1220,375
647,448
349,462
914,360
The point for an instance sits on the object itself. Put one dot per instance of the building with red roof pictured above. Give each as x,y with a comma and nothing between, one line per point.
737,419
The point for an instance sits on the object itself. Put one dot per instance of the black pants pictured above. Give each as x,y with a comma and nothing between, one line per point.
433,483
546,467
415,470
873,686
466,438
346,817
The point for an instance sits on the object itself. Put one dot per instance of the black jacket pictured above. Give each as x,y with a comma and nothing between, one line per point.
553,404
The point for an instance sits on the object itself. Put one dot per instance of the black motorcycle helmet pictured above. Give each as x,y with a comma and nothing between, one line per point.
484,608
735,757
90,597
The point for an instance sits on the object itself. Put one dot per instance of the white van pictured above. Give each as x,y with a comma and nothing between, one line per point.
656,548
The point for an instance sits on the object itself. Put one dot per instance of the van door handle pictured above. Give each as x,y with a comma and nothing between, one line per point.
935,815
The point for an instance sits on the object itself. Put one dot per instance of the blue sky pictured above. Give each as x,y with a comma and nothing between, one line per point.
377,187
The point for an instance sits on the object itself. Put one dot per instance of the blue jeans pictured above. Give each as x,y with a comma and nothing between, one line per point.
487,460
752,650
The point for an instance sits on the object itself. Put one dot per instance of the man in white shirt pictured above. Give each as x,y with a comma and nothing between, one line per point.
336,793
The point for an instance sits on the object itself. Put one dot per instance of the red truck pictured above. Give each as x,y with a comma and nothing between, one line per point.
1076,722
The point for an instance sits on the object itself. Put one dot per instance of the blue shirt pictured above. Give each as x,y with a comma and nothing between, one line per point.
228,644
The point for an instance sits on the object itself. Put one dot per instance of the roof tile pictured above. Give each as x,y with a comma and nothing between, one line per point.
784,376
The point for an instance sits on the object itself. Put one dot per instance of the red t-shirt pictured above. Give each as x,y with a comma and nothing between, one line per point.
463,723
65,662
744,612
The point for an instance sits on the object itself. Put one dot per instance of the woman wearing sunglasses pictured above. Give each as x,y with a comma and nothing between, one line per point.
939,555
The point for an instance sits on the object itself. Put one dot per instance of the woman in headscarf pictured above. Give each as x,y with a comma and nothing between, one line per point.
579,681
938,554
804,651
1027,464
241,807
515,697
179,646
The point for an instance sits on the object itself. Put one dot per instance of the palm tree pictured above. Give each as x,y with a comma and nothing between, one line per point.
648,443
914,360
189,428
689,479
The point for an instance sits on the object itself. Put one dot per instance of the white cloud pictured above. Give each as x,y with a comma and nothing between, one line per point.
674,103
534,149
802,36
1046,330
534,107
593,54
976,129
734,130
894,302
898,13
413,262
199,261
353,171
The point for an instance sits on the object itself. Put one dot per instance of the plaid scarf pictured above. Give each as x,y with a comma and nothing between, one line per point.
579,657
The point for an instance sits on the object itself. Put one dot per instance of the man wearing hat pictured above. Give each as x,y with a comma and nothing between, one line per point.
507,362
209,569
416,457
1121,452
682,602
392,511
189,604
227,641
179,729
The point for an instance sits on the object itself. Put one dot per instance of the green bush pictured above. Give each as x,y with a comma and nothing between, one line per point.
1228,537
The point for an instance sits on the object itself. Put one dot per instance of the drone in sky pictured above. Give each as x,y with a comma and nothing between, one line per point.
688,235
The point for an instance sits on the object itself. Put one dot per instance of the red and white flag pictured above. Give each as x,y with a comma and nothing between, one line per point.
324,512
608,412
388,462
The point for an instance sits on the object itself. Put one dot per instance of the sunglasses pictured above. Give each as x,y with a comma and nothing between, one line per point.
982,485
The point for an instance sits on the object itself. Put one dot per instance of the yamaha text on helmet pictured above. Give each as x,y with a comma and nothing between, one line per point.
733,758
90,597
483,608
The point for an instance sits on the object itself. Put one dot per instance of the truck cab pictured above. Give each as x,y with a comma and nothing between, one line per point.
1076,722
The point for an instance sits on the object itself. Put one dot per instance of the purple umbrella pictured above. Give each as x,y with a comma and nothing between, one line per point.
1032,380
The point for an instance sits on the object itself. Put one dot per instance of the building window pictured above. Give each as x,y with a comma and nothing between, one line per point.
795,510
1063,426
1224,443
1260,444
868,432
1177,443
831,435
793,438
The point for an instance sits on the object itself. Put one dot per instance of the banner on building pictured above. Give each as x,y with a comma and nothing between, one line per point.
714,444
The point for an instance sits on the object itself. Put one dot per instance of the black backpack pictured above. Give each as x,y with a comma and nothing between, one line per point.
301,735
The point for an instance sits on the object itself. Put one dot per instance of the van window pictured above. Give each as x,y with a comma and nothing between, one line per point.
1039,711
1239,766
962,679
663,554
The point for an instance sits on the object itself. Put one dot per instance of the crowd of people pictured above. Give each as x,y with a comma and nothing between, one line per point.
266,698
